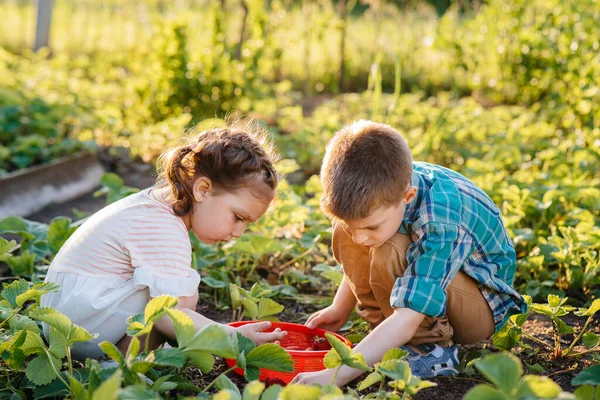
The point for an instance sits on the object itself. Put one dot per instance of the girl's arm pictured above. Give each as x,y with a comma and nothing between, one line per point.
251,331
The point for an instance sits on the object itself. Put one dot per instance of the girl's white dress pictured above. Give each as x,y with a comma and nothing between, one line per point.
125,254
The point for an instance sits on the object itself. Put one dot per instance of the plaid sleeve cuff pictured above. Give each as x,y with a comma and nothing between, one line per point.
420,294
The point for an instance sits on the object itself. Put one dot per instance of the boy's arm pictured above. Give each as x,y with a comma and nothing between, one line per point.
344,298
395,331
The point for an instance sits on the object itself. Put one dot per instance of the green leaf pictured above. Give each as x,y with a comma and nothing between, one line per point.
58,343
507,337
503,370
157,306
235,296
270,356
584,393
589,376
23,264
224,394
6,246
172,357
334,276
212,339
14,341
370,380
59,321
253,390
251,373
214,283
133,349
77,389
267,307
554,300
250,309
79,334
112,181
112,351
11,291
539,387
184,326
137,392
590,339
163,384
241,360
33,344
137,325
223,382
201,359
591,310
272,393
35,291
563,328
242,344
332,359
295,392
346,354
43,369
28,230
542,309
484,392
395,369
394,354
108,390
58,232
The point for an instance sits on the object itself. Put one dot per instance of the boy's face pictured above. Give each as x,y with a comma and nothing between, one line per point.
381,224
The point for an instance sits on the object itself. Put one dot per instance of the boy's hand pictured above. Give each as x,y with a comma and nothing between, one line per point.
330,318
319,377
255,333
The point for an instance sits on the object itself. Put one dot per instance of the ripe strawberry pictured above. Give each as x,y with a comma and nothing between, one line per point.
293,348
310,349
274,381
320,343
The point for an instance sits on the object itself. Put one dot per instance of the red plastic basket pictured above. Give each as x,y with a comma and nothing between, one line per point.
297,335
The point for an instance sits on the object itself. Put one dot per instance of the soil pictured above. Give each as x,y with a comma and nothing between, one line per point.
562,371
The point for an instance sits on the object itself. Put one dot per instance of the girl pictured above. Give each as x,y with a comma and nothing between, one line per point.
138,248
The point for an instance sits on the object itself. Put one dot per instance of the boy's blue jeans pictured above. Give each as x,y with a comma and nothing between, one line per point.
372,273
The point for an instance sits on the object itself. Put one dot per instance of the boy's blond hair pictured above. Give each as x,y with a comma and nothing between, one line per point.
367,165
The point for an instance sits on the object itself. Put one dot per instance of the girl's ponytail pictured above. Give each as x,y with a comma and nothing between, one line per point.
175,176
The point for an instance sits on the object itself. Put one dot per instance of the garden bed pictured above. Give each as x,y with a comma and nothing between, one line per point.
26,191
561,371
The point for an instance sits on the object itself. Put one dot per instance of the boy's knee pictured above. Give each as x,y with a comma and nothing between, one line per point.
189,302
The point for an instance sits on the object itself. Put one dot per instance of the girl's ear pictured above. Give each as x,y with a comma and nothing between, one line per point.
202,186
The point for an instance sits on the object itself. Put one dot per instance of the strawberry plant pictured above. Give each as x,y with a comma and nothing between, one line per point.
505,371
253,303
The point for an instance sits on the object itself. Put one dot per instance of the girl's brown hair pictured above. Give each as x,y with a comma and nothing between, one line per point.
232,157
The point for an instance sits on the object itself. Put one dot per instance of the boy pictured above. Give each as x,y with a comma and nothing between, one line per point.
425,255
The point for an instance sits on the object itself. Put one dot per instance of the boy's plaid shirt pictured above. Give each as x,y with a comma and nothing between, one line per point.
455,227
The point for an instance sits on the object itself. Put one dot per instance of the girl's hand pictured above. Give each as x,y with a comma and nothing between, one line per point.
330,318
255,333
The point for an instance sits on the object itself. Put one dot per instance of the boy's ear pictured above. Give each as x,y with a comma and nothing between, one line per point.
410,194
202,186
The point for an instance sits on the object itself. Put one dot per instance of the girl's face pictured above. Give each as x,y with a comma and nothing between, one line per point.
220,217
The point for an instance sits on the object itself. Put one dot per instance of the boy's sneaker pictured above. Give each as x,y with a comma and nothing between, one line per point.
434,361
